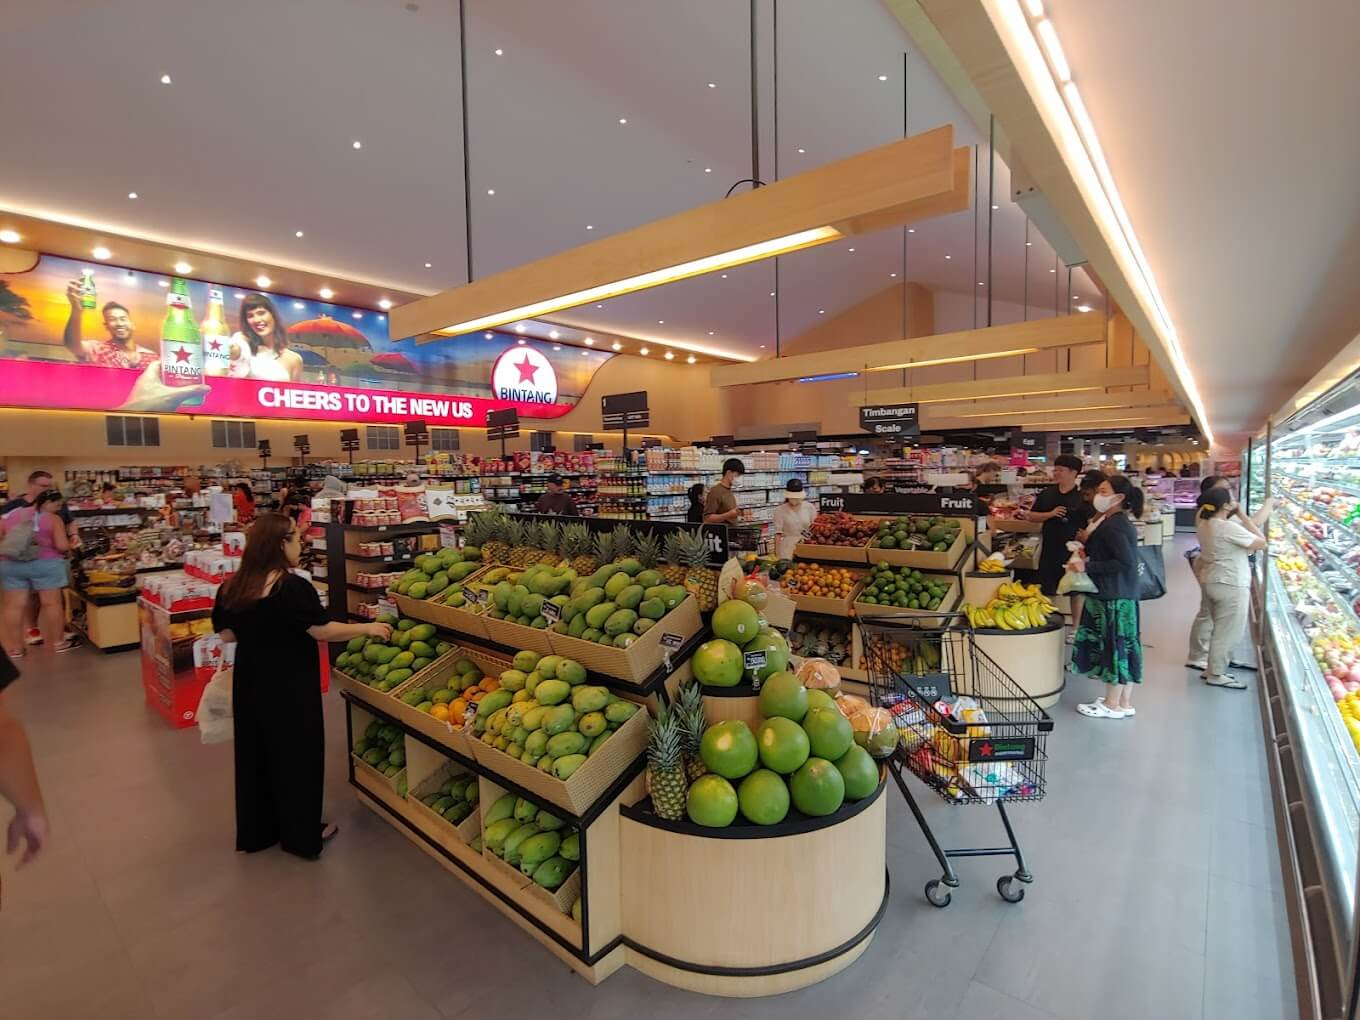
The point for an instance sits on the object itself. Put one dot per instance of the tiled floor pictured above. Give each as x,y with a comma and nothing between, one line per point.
1157,891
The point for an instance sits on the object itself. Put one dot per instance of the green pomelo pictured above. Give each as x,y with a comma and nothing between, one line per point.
829,732
784,695
763,797
712,802
736,621
729,748
858,771
717,663
783,745
817,788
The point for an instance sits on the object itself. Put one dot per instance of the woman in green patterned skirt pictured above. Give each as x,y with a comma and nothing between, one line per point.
1108,645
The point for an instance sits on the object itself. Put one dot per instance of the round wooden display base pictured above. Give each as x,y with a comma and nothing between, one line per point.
752,910
1034,659
979,587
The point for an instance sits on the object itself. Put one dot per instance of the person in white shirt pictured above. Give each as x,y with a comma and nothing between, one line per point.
792,518
1227,537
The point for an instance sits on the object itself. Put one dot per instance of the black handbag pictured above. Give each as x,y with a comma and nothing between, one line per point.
1151,573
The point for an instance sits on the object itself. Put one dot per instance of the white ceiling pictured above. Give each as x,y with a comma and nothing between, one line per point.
253,141
1231,132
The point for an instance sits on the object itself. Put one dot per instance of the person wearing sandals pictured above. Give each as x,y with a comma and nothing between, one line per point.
276,619
1227,536
1107,644
33,547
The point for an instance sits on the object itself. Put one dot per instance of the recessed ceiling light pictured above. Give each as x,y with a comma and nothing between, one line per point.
1052,270
762,347
882,77
710,332
557,347
262,281
357,315
713,84
851,250
490,191
724,276
298,306
911,230
590,226
164,283
590,341
623,120
802,151
670,355
384,304
326,293
821,311
1029,244
1076,297
297,233
10,236
1083,308
771,293
599,306
553,334
949,256
101,253
996,207
584,353
239,296
519,328
661,322
428,265
489,335
691,359
645,351
358,144
892,275
981,284
500,53
132,194
708,169
616,345
183,267
165,79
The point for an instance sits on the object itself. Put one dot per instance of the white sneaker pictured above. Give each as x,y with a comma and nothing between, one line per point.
33,636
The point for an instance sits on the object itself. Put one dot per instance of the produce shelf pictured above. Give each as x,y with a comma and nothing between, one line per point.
394,560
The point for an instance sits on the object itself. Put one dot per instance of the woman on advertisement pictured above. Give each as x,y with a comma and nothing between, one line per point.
260,349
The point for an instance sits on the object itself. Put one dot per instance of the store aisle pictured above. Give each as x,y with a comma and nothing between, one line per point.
1157,888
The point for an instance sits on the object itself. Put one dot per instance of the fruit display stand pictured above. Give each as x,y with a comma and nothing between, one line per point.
979,586
107,622
1033,659
344,562
752,910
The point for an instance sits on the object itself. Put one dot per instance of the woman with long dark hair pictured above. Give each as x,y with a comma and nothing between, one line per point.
276,620
259,350
1108,644
243,499
695,512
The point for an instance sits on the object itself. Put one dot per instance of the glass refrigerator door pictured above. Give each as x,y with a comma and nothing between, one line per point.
1311,622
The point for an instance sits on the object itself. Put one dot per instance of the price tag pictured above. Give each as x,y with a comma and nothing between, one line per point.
448,536
470,595
672,641
469,717
552,612
932,687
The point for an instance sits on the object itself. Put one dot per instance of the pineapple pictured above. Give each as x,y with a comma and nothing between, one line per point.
550,541
666,765
689,706
674,571
477,531
577,547
700,579
623,542
648,551
604,547
494,549
520,554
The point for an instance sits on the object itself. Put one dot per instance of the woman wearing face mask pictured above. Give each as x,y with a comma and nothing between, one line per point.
1227,536
260,349
1108,645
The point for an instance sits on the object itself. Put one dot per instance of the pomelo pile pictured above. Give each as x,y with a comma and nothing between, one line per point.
803,756
738,629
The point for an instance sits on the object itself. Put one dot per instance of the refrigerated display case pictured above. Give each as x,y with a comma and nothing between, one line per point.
1308,608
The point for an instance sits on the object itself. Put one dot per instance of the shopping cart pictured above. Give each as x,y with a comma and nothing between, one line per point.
967,731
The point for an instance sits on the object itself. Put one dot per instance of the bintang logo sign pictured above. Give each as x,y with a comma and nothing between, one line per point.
525,375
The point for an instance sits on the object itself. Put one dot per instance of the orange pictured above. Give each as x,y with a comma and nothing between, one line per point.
440,712
458,707
489,684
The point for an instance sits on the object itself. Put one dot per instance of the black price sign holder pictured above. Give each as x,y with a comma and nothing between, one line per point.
625,411
349,442
265,453
417,435
502,425
303,445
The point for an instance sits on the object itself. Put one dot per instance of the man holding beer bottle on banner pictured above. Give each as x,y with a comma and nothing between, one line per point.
119,350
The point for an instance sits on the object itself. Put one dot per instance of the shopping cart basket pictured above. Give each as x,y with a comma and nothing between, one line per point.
967,731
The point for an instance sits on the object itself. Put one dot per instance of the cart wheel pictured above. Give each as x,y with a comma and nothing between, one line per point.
1009,892
938,896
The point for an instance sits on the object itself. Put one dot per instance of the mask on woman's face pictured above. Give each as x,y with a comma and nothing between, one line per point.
1104,502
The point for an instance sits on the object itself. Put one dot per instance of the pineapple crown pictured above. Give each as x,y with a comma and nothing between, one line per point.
689,705
648,550
671,548
691,549
550,536
604,546
665,740
513,532
623,541
575,540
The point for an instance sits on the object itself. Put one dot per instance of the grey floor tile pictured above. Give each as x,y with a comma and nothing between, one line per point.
1246,853
100,984
1248,971
981,1002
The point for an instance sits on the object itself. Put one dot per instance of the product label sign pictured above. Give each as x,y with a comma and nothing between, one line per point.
470,596
672,641
1005,749
754,660
931,687
831,503
552,612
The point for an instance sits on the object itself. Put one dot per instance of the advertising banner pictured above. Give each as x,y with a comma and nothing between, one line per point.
88,336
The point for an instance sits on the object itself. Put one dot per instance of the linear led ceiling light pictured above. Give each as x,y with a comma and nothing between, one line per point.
913,178
1033,43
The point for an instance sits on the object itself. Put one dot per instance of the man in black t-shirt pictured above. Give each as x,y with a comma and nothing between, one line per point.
38,483
1058,508
556,500
18,777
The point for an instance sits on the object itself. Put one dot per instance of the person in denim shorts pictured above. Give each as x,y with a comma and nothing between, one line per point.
33,547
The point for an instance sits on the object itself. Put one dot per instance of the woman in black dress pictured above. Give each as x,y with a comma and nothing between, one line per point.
276,620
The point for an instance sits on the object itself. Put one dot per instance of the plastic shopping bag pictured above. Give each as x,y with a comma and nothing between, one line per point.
215,721
1076,581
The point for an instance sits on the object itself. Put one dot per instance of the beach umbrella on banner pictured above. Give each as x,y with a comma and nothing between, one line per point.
311,359
324,331
394,362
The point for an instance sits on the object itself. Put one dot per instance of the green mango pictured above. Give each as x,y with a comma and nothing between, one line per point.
525,810
512,680
589,699
598,614
514,605
643,626
558,720
624,640
537,742
647,578
551,692
630,597
617,584
592,724
565,743
602,576
501,595
577,627
419,649
422,632
515,840
652,609
532,681
533,718
620,712
375,755
545,764
396,676
537,849
564,768
548,822
571,846
356,644
571,671
492,703
497,833
620,622
420,664
532,605
592,634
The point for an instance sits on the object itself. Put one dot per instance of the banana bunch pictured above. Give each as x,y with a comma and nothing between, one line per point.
1014,607
991,566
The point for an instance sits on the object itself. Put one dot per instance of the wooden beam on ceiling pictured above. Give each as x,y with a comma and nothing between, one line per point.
942,348
1037,407
1057,421
1092,379
894,183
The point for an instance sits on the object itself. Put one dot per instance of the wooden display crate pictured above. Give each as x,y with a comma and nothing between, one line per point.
433,676
595,775
516,635
434,610
922,559
639,660
827,606
563,896
779,610
1004,527
383,699
834,553
470,827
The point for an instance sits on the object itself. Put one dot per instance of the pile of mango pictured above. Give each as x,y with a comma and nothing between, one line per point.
545,714
433,572
455,799
385,665
532,839
486,582
448,700
384,747
617,604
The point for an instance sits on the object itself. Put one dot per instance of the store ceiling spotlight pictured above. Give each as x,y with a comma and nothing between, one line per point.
101,253
183,268
905,180
10,236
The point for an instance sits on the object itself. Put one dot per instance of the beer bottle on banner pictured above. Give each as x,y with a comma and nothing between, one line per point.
181,346
216,336
87,294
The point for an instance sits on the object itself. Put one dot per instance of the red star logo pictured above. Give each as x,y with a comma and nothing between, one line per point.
985,750
214,345
181,355
527,369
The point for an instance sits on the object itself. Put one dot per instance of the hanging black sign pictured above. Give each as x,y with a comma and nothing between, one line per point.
349,439
947,504
625,411
302,444
417,433
890,419
502,424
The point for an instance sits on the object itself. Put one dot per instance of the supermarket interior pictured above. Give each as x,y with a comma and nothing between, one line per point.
723,509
